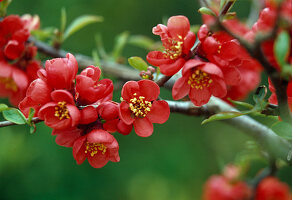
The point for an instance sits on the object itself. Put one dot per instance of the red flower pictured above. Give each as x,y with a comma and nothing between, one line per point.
62,112
220,188
109,111
177,39
60,72
140,107
31,22
13,36
13,83
37,95
273,97
90,89
67,137
98,147
88,115
272,188
200,80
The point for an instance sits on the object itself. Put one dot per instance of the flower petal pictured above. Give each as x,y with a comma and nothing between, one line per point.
178,26
129,89
143,127
149,89
125,113
180,88
62,95
159,112
199,96
171,69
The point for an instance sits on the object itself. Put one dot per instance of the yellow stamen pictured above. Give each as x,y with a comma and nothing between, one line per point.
199,79
61,110
93,148
9,83
139,107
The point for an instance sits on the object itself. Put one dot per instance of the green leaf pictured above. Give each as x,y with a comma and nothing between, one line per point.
206,11
63,20
225,115
241,104
121,41
3,107
282,47
138,63
43,34
81,22
259,98
30,115
141,41
283,129
14,115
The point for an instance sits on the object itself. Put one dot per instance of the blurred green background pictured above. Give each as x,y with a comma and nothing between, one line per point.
172,164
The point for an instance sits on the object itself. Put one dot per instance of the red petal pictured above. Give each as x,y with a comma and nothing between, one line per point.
191,64
129,89
218,88
125,113
149,89
178,26
143,127
171,69
98,161
212,69
199,97
62,95
231,75
157,58
74,114
180,88
100,136
159,112
189,42
79,150
67,138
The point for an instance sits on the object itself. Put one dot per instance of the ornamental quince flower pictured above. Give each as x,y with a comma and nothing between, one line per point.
221,188
13,36
140,107
177,40
199,80
89,88
272,188
60,72
98,146
38,94
13,83
61,113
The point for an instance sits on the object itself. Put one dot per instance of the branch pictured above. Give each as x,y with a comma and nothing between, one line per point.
8,123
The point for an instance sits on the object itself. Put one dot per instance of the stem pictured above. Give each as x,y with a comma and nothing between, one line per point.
8,123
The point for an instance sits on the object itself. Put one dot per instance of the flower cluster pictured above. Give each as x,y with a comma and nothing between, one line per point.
82,114
210,68
18,66
229,187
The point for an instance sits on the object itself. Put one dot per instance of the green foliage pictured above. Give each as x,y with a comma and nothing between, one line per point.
14,115
80,23
283,129
138,63
3,107
225,115
141,41
282,47
206,11
121,41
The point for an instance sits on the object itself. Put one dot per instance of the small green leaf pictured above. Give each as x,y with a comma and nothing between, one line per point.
63,20
225,115
81,22
283,129
282,47
3,107
141,41
241,104
30,115
138,63
121,41
206,11
14,115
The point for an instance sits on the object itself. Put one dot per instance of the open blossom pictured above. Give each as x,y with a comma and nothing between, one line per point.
98,146
199,80
60,72
90,89
177,40
272,188
140,107
61,112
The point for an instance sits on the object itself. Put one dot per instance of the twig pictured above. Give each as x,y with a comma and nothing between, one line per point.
8,123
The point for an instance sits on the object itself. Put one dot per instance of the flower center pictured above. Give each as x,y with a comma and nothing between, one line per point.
174,50
9,83
199,79
93,148
139,106
61,110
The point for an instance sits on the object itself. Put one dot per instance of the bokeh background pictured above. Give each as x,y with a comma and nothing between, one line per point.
172,164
